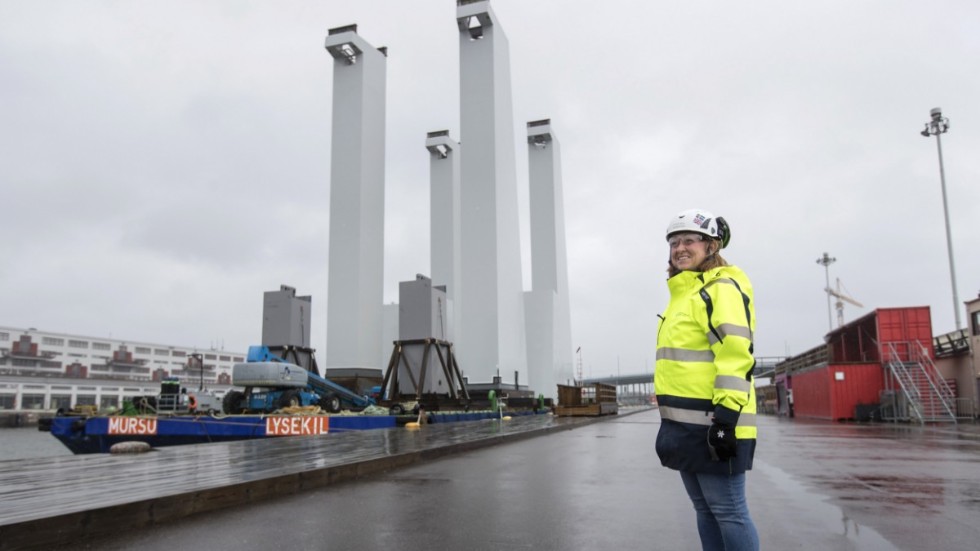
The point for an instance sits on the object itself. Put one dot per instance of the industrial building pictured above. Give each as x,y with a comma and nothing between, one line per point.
886,365
48,370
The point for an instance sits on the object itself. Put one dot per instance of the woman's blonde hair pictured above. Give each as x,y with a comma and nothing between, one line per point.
713,260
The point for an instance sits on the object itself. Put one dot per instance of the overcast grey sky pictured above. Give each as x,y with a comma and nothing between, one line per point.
164,163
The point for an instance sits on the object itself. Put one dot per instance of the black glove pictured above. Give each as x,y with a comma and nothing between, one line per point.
721,441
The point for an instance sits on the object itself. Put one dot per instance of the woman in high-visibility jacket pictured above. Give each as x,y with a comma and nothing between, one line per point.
703,379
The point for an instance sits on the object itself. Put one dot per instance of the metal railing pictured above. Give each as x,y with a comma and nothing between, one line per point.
966,408
898,371
951,344
941,389
927,397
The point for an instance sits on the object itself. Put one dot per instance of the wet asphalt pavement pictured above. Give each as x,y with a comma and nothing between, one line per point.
816,485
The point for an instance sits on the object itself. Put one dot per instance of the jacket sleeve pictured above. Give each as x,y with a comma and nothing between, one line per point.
731,327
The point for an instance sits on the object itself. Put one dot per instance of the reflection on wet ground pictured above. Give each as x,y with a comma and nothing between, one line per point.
819,524
917,485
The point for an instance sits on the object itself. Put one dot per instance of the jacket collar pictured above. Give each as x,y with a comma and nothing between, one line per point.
687,279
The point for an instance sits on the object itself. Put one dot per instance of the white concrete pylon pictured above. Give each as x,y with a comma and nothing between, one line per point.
491,308
549,335
357,179
444,230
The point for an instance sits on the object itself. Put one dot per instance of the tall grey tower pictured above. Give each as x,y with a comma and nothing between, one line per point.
549,333
357,198
491,336
444,236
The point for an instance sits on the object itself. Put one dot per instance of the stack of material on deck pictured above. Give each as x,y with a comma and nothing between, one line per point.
592,400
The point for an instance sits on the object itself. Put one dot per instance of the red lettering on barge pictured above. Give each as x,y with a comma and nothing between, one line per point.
296,426
132,425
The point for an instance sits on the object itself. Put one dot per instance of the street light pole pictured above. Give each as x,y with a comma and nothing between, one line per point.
936,127
826,260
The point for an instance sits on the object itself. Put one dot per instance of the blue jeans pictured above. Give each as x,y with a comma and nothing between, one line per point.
724,523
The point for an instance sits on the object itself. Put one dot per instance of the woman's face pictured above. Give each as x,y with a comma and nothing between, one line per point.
687,250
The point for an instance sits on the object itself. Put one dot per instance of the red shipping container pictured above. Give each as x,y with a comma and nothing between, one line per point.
857,354
811,395
902,327
835,391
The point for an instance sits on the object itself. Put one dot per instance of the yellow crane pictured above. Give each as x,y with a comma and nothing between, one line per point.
841,299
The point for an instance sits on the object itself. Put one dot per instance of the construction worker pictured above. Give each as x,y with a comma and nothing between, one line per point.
703,379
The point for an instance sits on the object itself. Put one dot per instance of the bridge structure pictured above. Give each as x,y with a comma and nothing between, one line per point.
637,388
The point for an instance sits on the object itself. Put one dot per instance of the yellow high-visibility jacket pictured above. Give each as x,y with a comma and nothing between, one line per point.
704,369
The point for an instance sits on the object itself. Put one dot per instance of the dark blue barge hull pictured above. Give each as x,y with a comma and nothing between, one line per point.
84,435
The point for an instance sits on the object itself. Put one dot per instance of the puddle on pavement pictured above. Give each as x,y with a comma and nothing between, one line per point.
825,515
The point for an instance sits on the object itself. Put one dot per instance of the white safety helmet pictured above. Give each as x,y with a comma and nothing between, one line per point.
703,222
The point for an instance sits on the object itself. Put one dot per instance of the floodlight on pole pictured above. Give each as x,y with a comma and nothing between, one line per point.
937,126
826,260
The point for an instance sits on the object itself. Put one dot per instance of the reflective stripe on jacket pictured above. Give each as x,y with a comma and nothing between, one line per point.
704,366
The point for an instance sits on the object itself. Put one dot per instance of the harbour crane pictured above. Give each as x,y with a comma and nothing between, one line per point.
841,299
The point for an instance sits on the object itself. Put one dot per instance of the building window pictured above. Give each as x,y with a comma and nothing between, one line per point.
7,401
51,341
32,401
976,323
101,346
85,400
239,359
60,401
77,344
210,357
225,358
142,350
160,352
179,354
4,336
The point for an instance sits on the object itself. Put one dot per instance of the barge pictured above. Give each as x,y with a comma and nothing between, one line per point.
97,434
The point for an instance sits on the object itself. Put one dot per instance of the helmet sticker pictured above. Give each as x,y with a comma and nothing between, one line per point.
699,219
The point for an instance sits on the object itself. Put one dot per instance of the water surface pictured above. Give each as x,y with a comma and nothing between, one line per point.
29,443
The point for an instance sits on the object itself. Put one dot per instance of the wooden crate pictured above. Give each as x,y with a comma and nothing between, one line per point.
592,400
